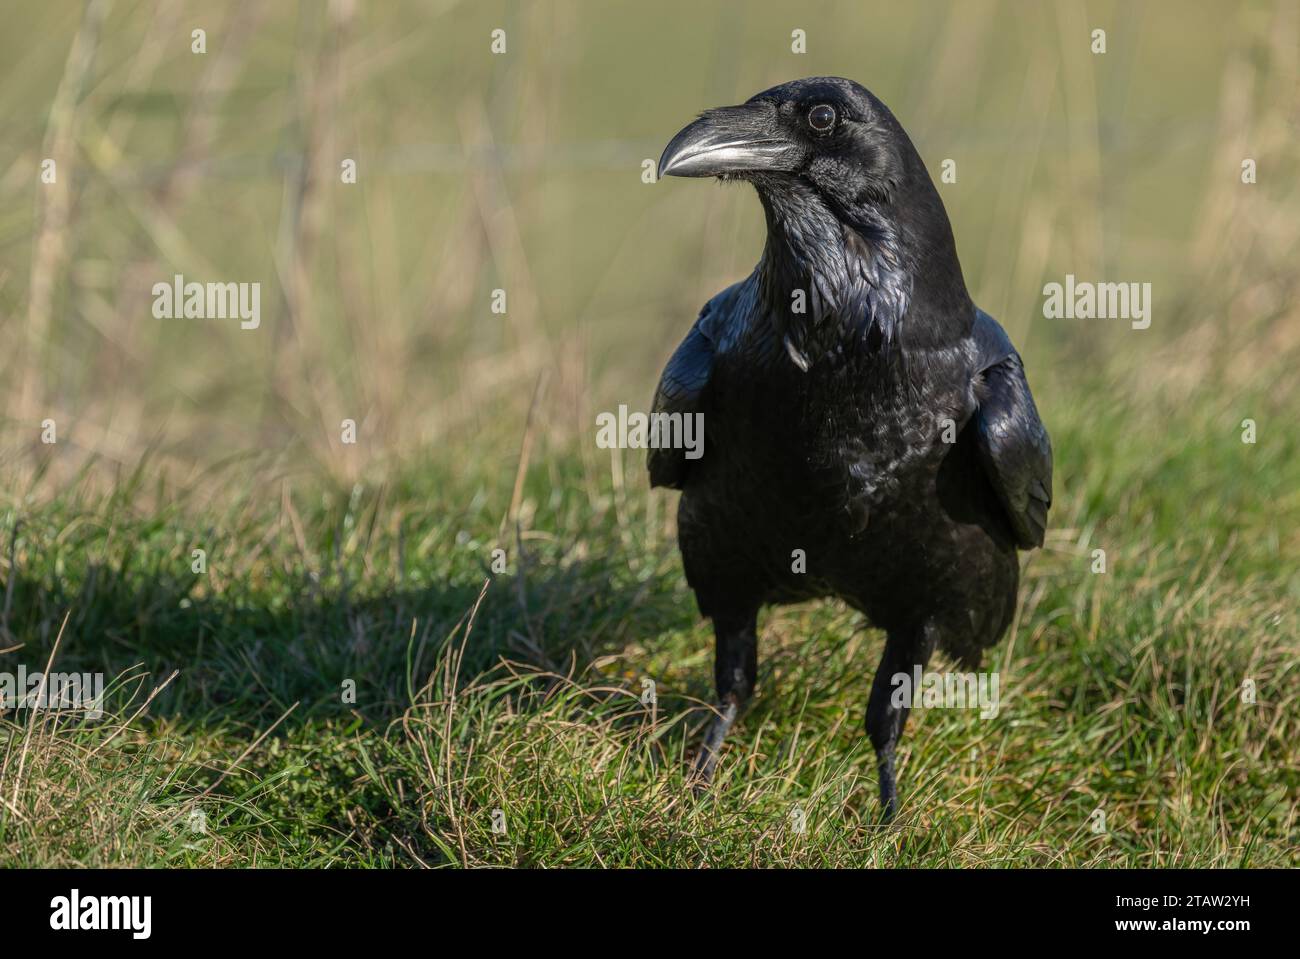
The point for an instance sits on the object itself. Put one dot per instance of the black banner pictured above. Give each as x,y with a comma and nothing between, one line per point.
339,908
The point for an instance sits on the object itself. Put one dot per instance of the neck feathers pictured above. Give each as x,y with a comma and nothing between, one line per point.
838,282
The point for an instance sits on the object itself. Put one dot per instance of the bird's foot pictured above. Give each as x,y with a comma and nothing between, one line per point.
706,760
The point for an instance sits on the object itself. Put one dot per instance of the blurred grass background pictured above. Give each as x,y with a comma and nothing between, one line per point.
522,171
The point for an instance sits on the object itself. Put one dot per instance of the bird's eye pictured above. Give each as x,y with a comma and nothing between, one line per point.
821,118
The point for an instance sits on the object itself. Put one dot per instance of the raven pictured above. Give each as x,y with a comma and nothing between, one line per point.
869,432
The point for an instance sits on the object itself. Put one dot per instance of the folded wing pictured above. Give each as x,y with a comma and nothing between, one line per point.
681,388
1013,443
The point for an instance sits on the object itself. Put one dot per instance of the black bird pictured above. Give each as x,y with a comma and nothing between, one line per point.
857,406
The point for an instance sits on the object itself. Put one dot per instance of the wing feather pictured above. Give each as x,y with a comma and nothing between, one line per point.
1013,443
681,388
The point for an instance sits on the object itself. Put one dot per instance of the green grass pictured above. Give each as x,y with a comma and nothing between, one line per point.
1120,691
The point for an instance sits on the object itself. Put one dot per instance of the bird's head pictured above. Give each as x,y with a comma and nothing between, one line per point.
853,216
828,132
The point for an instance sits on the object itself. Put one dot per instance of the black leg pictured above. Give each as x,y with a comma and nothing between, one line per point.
735,668
886,718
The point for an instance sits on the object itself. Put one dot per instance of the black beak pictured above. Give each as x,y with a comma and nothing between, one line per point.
730,140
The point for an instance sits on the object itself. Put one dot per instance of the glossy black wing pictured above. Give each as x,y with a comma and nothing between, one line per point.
1013,443
680,390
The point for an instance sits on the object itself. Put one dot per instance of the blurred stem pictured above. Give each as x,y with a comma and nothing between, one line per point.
54,206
